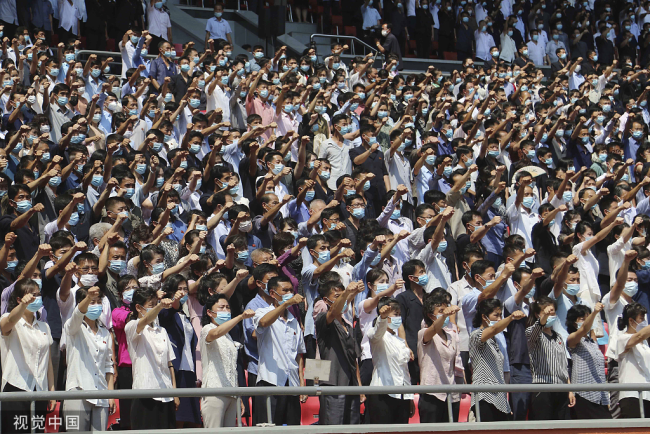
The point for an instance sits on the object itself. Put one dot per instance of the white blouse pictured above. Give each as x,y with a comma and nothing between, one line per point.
151,353
25,355
89,356
390,356
218,359
632,365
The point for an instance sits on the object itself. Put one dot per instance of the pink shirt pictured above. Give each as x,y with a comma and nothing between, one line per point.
258,107
119,321
437,360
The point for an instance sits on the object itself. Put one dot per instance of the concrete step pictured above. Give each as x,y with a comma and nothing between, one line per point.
309,28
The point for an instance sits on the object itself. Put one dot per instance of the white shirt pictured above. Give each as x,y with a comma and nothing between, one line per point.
278,346
67,307
89,356
365,323
536,52
390,357
588,267
484,41
25,355
399,171
218,359
70,17
437,269
151,353
616,254
612,313
127,51
219,99
158,22
339,158
632,365
522,222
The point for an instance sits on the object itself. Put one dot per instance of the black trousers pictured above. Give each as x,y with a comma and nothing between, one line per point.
365,372
16,415
423,46
433,410
414,370
489,413
445,43
549,406
147,413
630,408
252,382
125,382
464,357
285,409
384,409
585,409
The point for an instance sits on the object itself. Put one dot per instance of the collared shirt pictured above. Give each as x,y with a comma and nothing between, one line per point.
437,359
8,14
437,269
339,158
256,106
25,354
370,16
310,288
58,117
536,52
298,213
422,182
127,51
399,172
469,304
411,311
484,41
70,17
278,346
158,22
458,290
218,28
250,343
159,70
522,222
89,356
486,359
589,368
551,47
548,362
390,358
151,353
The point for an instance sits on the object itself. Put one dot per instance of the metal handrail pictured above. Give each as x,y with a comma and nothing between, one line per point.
323,390
353,38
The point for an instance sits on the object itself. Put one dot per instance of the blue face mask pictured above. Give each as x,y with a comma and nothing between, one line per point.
11,266
183,299
423,279
396,214
117,266
285,298
129,193
23,206
222,317
158,268
127,296
323,256
359,213
395,322
447,171
572,288
550,321
567,196
74,219
36,304
366,186
442,246
94,312
528,202
243,256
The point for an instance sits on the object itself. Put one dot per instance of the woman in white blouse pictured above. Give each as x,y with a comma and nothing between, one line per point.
151,357
390,358
633,355
25,351
90,364
219,357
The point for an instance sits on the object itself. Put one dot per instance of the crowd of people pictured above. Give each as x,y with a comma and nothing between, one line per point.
211,220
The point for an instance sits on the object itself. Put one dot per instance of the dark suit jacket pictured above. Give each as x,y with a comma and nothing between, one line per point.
171,321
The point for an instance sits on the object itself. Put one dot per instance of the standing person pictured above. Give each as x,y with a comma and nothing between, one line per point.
160,26
89,357
339,343
632,353
219,359
184,341
487,359
151,354
280,346
548,362
588,363
438,351
391,44
390,357
423,30
217,27
25,351
126,287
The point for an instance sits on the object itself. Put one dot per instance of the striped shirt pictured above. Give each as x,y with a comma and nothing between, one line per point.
589,368
548,360
487,361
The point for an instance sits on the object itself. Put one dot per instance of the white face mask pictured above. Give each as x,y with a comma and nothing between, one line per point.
88,279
